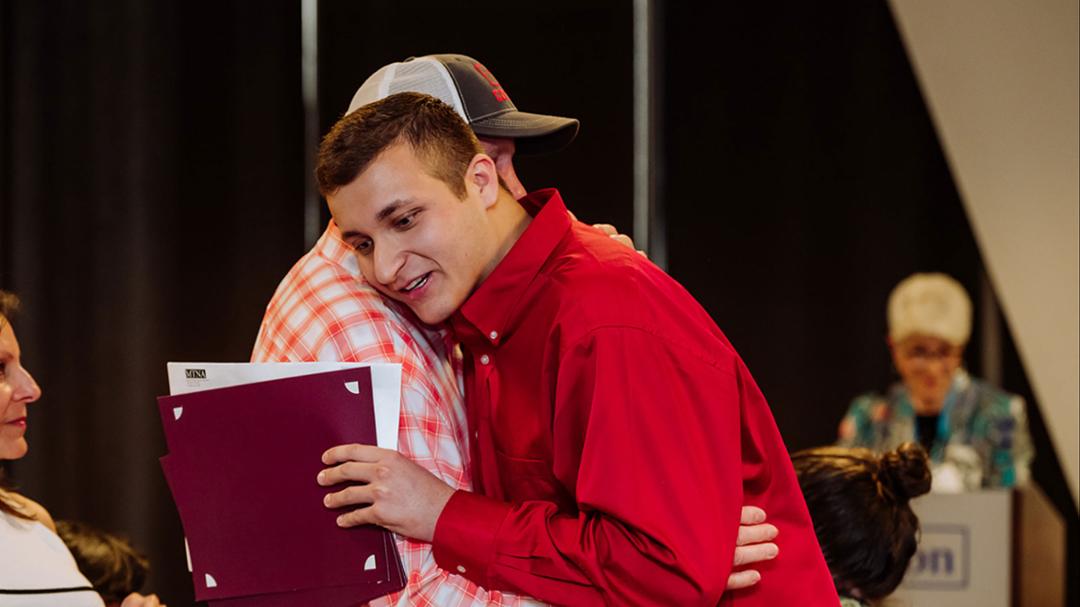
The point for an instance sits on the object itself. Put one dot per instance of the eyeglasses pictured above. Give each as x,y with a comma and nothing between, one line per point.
922,355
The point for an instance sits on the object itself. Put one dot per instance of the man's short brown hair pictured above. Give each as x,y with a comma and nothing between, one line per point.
437,135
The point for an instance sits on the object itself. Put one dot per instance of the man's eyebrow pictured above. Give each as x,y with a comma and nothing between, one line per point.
390,209
346,236
380,217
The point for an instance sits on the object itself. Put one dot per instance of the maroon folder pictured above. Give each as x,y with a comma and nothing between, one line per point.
242,468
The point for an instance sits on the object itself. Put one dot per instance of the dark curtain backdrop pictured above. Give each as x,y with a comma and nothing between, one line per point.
151,197
819,186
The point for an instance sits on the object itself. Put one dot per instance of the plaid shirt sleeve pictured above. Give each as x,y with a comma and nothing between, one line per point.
323,311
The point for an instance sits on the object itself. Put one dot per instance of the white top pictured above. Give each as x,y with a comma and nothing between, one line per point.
33,558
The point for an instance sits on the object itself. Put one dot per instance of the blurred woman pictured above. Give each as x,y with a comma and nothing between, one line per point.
864,524
36,569
975,433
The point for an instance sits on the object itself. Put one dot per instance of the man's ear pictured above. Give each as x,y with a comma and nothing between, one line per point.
483,177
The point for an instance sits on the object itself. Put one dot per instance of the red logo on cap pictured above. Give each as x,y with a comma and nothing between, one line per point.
496,89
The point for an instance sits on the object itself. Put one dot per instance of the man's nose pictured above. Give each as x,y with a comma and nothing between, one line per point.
387,263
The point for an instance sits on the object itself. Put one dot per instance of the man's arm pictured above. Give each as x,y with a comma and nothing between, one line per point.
658,484
658,487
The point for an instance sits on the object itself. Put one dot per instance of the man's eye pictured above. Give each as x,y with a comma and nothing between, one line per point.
363,247
406,221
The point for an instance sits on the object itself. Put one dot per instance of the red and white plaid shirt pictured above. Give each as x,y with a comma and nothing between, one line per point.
324,311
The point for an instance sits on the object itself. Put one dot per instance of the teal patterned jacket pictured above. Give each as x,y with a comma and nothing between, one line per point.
983,431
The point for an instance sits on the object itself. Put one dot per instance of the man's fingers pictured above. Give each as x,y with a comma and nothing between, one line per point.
756,553
756,534
751,515
349,471
360,516
743,579
611,231
350,496
354,452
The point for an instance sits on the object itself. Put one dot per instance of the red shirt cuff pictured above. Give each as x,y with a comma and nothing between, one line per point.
465,535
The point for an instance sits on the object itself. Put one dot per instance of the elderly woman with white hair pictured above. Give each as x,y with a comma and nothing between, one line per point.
975,433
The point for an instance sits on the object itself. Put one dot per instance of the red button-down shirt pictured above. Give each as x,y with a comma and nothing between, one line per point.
616,435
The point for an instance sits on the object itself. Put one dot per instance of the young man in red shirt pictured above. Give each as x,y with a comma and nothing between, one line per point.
615,431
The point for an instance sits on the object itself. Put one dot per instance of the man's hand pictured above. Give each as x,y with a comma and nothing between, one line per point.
754,545
398,495
610,230
622,239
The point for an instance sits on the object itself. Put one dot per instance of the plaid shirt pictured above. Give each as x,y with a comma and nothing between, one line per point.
324,311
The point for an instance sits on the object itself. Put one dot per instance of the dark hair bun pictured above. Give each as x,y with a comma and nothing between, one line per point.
905,472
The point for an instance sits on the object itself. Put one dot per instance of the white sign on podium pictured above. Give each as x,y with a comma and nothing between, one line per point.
964,554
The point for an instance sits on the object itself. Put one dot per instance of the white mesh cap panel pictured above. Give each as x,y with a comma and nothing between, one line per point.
373,89
421,75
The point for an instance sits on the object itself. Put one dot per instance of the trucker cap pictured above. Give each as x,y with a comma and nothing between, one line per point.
471,89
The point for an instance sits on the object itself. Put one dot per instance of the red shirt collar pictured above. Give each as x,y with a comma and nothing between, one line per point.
495,305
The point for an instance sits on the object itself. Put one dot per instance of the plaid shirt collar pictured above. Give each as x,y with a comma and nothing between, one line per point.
332,247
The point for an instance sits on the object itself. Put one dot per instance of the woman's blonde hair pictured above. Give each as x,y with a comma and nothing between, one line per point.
930,304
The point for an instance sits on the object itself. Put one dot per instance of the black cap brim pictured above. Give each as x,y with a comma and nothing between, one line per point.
533,134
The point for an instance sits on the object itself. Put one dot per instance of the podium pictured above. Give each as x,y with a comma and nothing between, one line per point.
994,548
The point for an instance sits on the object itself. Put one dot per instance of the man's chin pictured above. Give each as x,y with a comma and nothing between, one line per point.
431,317
426,311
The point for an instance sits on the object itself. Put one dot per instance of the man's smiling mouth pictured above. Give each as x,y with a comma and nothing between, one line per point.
416,284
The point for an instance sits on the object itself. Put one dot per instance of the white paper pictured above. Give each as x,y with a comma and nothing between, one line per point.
185,377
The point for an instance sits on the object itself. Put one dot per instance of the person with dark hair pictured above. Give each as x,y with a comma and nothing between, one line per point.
859,501
111,563
36,569
614,431
324,310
